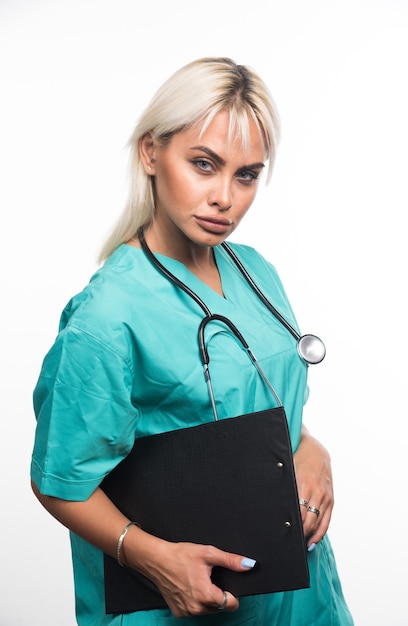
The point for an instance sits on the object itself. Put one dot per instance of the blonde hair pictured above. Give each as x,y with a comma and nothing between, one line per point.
194,94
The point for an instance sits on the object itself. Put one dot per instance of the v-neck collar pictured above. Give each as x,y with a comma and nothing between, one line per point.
229,276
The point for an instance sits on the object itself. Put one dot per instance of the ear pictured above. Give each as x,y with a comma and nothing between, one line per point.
146,151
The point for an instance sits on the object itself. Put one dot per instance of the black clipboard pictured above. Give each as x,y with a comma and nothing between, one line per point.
228,483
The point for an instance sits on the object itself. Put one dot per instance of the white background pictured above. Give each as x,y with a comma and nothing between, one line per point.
75,74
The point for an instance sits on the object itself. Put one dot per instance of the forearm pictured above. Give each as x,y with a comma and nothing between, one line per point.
310,451
97,520
315,485
182,571
304,435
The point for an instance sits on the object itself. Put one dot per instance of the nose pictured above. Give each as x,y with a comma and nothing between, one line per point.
221,195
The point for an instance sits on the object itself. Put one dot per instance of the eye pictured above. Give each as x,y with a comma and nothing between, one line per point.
203,165
247,176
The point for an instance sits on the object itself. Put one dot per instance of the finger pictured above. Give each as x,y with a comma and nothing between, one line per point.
321,529
229,602
313,509
229,560
312,519
303,504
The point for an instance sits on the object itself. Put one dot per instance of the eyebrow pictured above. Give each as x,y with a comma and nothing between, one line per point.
216,157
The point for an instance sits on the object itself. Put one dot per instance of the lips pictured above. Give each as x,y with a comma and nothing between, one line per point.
214,220
214,224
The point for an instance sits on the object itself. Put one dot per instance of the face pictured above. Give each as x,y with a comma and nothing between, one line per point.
203,186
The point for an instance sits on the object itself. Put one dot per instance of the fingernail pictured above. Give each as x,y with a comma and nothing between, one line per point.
311,547
246,562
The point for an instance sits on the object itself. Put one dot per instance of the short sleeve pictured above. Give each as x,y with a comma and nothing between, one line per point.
85,417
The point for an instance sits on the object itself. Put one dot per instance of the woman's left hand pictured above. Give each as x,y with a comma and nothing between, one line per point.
315,486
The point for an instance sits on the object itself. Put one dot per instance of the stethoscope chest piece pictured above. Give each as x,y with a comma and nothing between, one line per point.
311,349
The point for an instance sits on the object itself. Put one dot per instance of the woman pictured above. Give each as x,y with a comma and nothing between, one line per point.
125,362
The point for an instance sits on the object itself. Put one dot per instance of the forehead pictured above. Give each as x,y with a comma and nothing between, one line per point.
224,134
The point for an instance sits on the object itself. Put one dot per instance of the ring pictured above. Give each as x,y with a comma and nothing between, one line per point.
303,502
224,602
313,509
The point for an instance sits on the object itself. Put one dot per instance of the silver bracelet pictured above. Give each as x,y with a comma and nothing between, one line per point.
120,541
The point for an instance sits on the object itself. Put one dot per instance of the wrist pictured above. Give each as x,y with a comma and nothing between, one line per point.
120,552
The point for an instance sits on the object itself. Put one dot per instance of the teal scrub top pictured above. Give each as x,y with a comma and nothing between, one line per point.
126,364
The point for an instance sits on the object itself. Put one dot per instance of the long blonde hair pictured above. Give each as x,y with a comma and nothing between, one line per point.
195,93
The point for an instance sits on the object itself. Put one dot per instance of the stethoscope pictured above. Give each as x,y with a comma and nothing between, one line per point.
310,347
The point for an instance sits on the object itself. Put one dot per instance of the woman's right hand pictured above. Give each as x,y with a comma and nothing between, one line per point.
182,572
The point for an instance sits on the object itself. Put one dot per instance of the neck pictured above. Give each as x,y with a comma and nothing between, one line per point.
199,260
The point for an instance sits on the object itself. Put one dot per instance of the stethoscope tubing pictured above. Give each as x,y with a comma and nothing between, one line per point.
169,274
310,348
259,293
206,358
